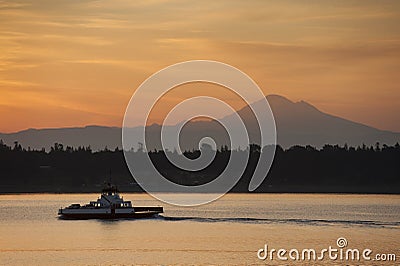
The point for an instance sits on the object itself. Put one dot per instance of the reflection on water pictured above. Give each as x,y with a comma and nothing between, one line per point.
228,231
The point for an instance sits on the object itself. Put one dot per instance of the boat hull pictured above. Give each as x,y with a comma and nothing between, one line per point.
128,213
86,216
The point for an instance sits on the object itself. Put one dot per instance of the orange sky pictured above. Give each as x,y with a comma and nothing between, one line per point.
75,63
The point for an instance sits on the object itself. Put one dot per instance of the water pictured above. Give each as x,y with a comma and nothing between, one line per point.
229,231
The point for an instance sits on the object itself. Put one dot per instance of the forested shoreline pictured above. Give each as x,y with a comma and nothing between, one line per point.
331,169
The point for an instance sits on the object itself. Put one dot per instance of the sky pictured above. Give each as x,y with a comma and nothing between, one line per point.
75,62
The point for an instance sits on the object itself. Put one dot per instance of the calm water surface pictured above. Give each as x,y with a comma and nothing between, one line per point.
226,232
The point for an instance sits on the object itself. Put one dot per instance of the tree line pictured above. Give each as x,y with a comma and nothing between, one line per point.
332,169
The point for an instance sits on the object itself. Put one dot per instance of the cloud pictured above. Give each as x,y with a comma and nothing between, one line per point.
16,83
65,51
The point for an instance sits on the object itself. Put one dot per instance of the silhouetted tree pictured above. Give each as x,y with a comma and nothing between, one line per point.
333,168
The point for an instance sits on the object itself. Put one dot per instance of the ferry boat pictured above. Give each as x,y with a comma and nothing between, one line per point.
108,206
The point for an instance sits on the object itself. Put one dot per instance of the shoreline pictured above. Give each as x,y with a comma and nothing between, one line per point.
254,193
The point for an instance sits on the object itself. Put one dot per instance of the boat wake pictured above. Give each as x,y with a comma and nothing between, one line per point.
315,222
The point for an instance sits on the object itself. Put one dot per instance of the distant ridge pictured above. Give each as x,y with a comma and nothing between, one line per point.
298,123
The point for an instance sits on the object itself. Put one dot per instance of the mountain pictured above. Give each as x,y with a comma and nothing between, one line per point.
300,123
297,123
97,137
